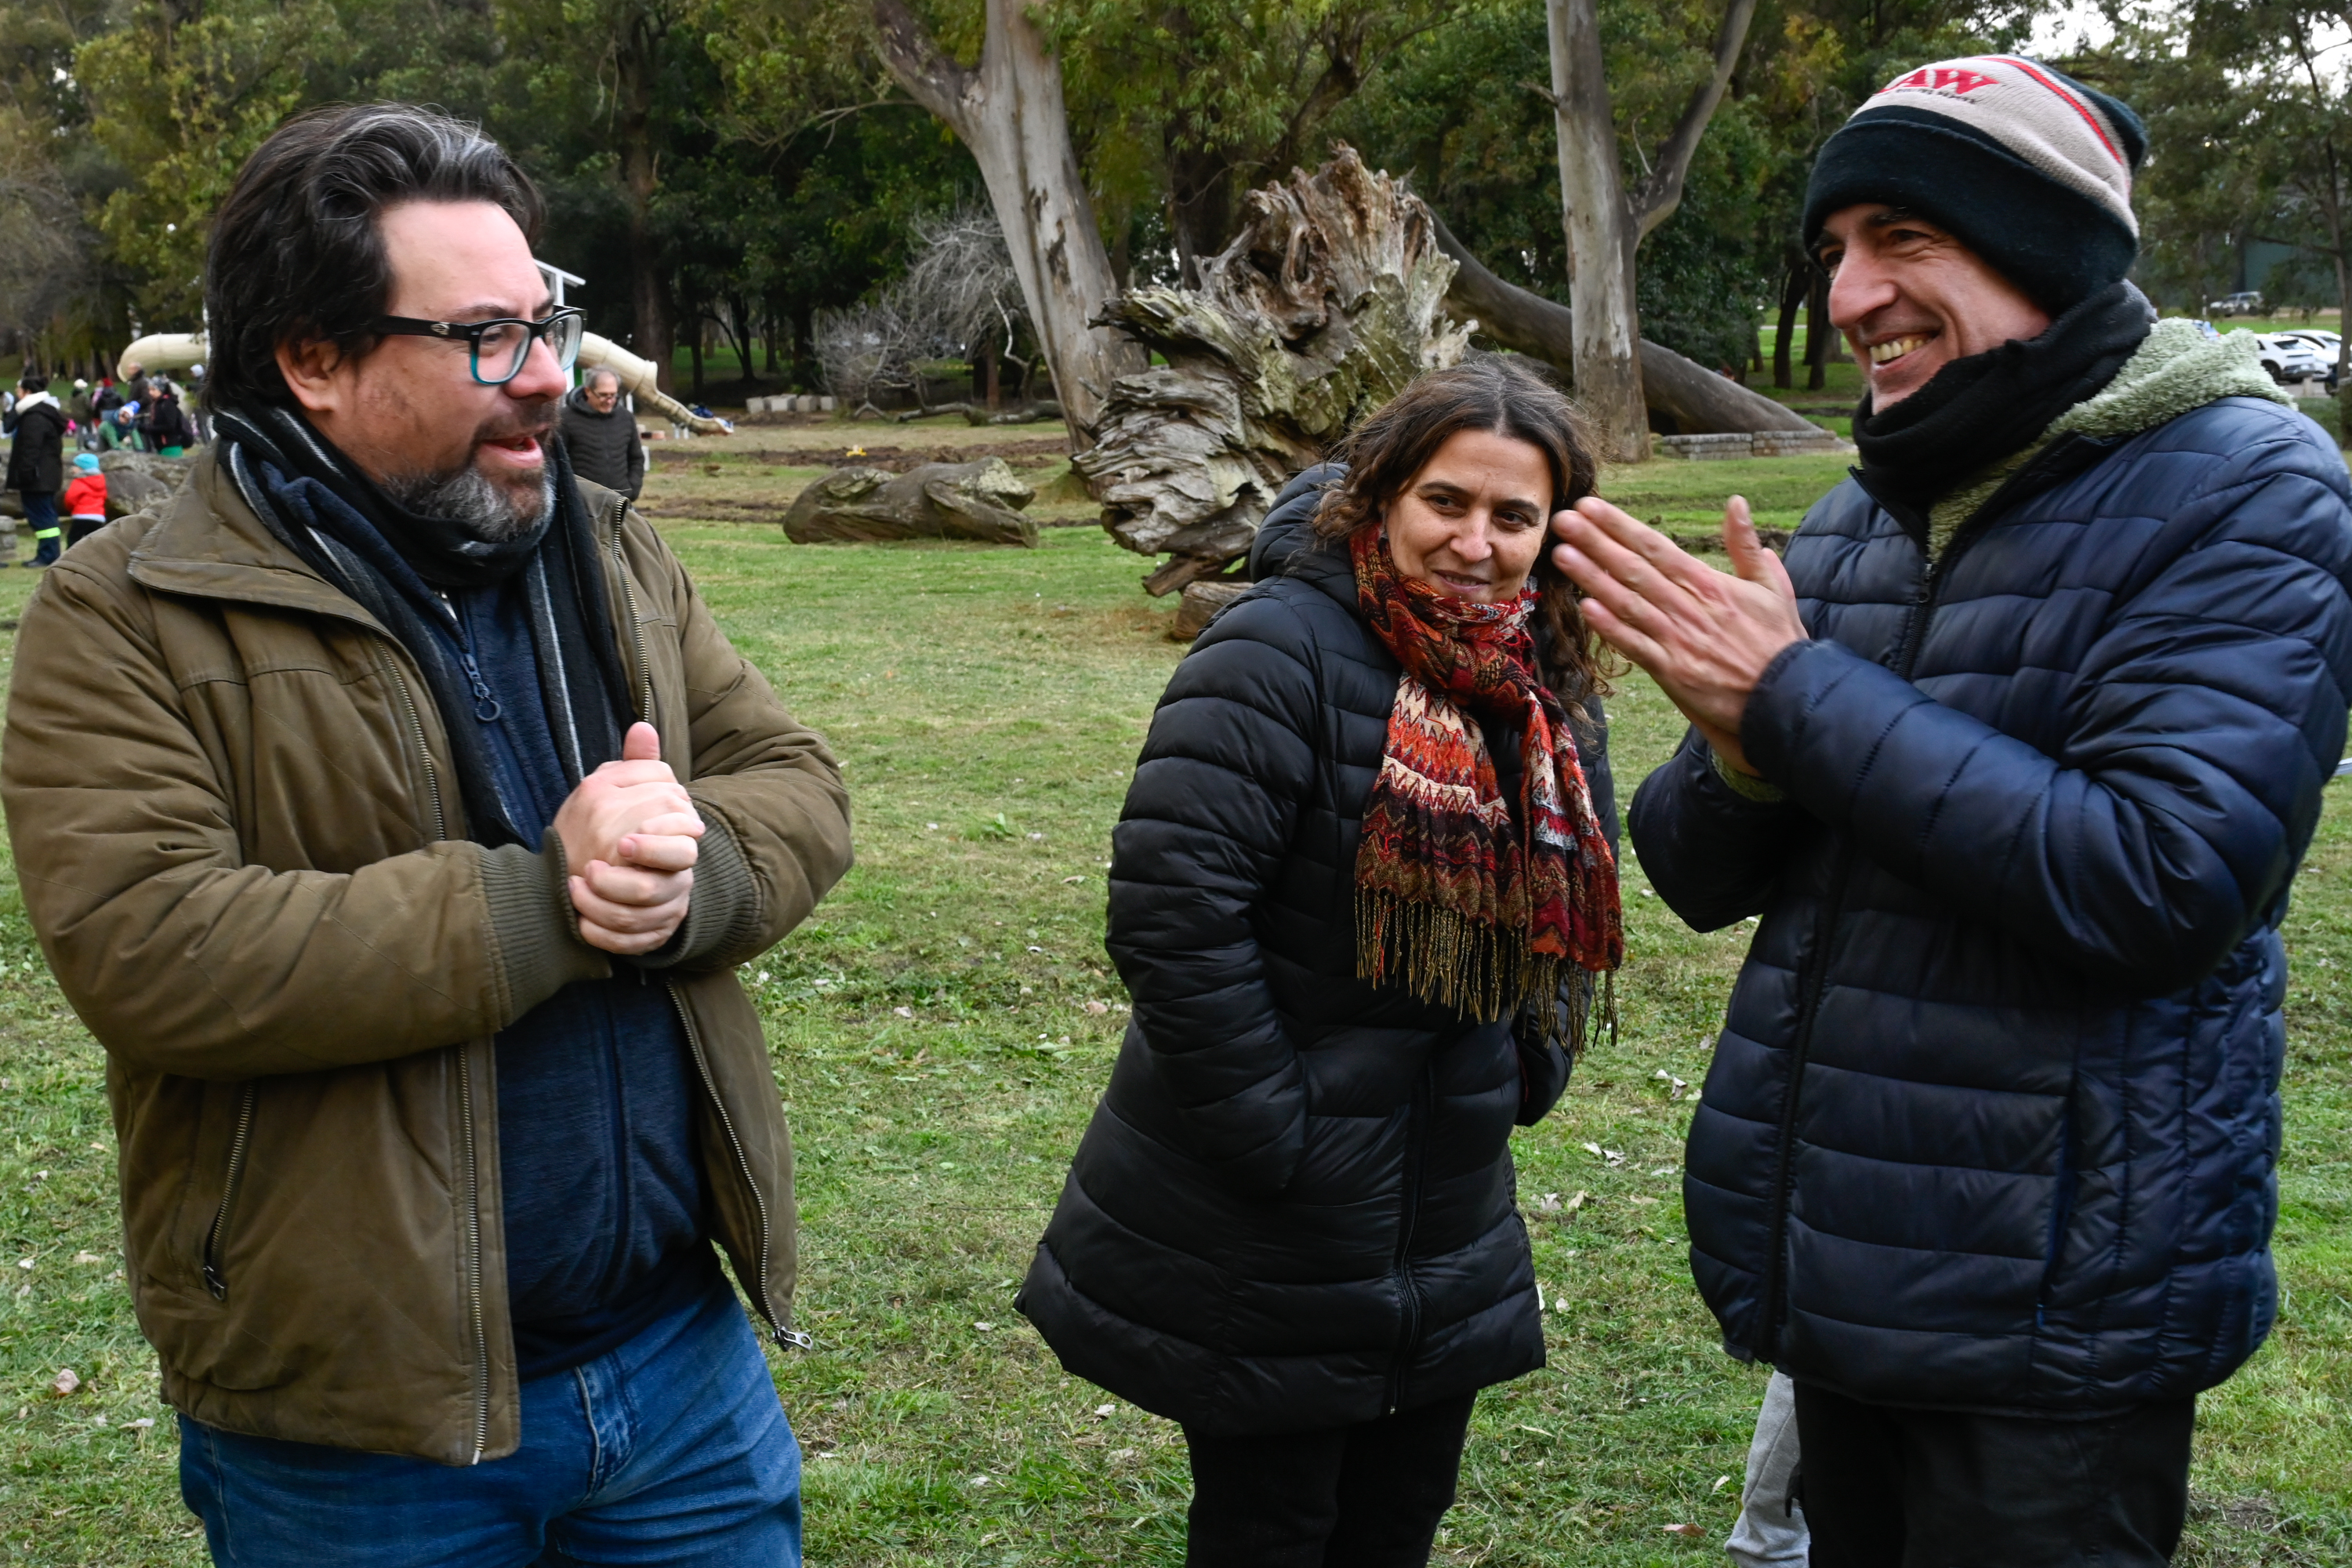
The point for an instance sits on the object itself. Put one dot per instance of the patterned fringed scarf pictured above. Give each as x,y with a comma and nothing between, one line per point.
1450,900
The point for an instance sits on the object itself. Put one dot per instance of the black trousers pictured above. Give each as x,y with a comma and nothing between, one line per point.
1356,1497
1888,1488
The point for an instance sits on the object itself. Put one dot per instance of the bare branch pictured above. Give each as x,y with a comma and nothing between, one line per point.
1662,193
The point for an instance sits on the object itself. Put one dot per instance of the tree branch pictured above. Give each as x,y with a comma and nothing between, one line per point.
916,63
1662,193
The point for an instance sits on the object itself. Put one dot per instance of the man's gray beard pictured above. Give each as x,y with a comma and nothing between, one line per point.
467,498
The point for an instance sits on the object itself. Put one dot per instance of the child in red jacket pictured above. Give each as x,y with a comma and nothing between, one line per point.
84,499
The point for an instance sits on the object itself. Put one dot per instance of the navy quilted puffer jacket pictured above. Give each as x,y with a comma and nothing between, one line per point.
1994,1117
1293,1209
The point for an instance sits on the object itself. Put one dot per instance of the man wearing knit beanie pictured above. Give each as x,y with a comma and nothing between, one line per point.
2013,762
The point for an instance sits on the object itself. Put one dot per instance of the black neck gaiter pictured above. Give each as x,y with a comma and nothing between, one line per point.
1979,410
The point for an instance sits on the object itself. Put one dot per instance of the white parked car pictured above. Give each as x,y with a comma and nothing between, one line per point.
2293,356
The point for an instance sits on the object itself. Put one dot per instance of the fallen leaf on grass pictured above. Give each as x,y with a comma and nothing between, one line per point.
1104,1412
87,1257
65,1383
1547,1204
985,1328
1096,1009
1693,1531
903,1011
1577,1202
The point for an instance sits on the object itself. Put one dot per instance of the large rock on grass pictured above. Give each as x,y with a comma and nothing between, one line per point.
141,481
980,501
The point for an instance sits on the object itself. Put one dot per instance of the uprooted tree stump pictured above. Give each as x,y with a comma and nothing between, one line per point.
1330,299
980,501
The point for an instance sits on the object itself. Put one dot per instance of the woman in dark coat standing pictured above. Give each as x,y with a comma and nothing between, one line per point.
1359,894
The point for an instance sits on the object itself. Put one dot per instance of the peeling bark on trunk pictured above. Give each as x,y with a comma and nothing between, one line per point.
1329,301
1009,112
1601,238
653,329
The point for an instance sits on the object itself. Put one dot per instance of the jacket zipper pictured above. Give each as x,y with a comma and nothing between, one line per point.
1408,1293
1784,1174
214,1280
742,1164
465,1131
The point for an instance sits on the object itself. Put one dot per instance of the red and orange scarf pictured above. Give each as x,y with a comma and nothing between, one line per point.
1459,899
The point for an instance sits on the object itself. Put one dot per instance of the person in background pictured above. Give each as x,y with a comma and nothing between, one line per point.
166,424
84,499
36,428
2014,760
601,435
108,405
1770,1531
1359,892
79,409
395,814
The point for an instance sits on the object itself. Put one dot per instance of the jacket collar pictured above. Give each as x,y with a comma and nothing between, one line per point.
211,545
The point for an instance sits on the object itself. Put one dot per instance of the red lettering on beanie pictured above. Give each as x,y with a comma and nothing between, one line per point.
1942,78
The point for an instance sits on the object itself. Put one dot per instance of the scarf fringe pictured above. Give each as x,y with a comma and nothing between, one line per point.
1441,956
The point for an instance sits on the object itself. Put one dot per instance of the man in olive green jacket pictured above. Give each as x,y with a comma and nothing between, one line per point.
293,880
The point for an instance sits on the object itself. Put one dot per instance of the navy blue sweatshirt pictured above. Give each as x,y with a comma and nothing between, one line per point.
597,1088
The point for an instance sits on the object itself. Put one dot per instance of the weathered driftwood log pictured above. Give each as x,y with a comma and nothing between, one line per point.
1684,395
1329,300
1200,603
979,501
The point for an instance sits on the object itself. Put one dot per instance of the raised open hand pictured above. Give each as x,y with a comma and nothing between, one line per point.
1705,636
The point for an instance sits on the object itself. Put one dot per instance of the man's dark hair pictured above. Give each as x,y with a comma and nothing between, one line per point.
297,253
35,383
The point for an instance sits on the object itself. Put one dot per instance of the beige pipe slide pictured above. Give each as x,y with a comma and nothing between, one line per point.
178,351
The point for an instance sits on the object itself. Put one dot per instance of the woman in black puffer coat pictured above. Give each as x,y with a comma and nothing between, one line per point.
1292,1225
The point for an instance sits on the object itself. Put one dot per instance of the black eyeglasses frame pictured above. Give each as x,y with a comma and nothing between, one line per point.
471,333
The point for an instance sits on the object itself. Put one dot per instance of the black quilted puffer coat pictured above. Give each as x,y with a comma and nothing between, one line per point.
1993,1121
1293,1209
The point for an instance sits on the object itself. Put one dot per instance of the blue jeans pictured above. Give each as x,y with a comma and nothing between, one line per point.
671,1449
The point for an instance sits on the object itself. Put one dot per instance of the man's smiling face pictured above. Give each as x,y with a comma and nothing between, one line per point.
409,411
1910,299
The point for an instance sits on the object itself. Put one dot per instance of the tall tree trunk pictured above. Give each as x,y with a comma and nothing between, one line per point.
654,332
1817,332
1691,398
1200,208
1600,237
1793,289
1009,112
805,368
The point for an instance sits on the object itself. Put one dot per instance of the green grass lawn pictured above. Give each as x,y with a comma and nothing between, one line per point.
941,1029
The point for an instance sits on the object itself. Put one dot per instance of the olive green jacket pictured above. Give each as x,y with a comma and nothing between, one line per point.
240,843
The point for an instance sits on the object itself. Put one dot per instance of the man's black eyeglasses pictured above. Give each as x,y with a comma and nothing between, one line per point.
499,346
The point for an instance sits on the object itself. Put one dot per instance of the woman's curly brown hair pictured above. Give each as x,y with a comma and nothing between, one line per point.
1500,395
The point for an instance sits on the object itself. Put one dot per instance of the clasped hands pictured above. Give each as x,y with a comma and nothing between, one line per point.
629,835
1703,635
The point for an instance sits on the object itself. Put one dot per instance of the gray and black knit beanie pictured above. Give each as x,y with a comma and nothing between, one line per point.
2028,167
